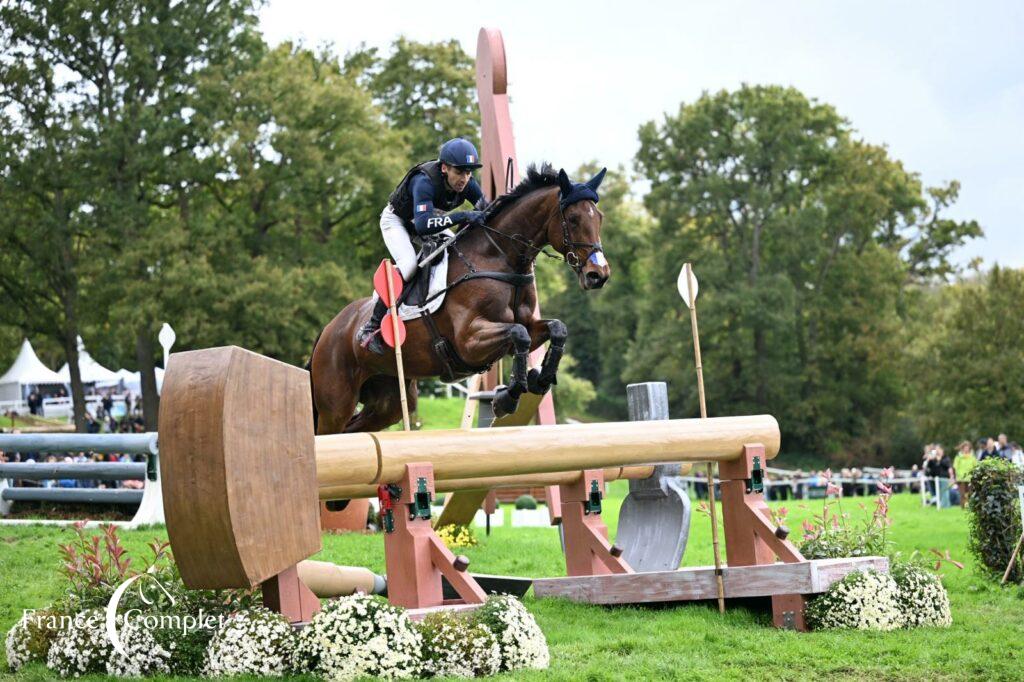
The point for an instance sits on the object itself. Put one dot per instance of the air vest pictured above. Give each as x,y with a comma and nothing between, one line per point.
444,198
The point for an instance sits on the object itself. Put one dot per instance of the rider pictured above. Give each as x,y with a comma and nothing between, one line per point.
417,208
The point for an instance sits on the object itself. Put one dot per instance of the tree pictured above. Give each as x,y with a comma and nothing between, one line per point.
121,77
426,90
804,239
967,365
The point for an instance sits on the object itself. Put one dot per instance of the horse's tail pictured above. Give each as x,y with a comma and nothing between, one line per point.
309,368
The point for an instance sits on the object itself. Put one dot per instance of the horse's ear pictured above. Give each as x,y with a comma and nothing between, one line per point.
564,183
595,182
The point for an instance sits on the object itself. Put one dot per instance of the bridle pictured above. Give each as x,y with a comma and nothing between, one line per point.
570,246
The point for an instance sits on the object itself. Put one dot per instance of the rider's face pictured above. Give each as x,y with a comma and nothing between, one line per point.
457,178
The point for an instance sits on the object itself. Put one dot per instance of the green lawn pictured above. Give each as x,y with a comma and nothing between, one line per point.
686,642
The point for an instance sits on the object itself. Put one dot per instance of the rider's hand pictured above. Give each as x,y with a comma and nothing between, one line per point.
468,217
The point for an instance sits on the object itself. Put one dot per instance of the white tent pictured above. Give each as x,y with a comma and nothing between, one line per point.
133,380
92,371
26,371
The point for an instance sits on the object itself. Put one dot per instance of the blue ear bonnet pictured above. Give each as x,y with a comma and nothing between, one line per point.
570,192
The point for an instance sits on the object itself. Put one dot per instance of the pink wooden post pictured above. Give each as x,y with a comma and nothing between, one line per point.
416,558
587,550
751,538
499,148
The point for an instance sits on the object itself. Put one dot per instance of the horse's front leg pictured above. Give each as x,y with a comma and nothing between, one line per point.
540,381
488,338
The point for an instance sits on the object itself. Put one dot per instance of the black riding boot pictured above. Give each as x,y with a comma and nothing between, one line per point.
368,335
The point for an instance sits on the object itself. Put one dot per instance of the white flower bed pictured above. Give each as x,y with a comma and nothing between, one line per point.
256,642
81,648
520,639
360,636
860,601
922,597
455,646
144,655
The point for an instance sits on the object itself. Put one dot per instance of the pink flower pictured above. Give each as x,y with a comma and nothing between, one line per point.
888,472
884,489
781,513
832,489
808,526
827,475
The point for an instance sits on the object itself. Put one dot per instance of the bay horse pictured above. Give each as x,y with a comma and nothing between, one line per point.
486,315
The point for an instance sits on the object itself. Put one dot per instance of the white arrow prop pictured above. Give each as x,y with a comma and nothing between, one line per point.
687,285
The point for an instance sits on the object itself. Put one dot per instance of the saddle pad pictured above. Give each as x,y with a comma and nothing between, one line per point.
438,281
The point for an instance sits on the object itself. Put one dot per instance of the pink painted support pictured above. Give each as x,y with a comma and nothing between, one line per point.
587,550
416,558
751,538
499,149
286,594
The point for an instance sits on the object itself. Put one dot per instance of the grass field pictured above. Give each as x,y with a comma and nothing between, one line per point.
687,642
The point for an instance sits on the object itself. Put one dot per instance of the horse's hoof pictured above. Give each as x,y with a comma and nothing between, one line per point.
503,403
534,384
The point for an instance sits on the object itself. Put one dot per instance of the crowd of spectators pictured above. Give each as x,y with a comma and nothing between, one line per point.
949,480
104,419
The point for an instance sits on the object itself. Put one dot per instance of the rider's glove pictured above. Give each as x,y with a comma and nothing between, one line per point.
468,217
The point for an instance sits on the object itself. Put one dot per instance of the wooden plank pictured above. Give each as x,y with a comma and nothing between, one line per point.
525,412
460,508
828,571
698,583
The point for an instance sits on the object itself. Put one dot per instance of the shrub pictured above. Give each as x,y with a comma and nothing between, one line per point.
255,642
30,638
360,636
526,502
922,596
995,516
520,639
457,537
832,536
860,601
455,646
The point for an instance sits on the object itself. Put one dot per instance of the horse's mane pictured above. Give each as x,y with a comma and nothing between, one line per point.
535,180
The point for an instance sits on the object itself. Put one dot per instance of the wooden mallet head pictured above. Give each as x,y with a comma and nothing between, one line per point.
238,467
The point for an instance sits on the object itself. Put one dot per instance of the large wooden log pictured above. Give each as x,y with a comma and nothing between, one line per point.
373,458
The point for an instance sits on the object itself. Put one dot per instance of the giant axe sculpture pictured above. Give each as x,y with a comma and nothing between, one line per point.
242,471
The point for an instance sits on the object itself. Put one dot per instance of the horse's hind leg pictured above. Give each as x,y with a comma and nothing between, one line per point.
382,404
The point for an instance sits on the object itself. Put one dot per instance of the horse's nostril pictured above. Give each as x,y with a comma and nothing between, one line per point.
594,279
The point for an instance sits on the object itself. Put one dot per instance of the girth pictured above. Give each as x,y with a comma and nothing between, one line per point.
453,367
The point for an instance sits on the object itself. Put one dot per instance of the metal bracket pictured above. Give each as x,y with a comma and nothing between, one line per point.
592,505
420,506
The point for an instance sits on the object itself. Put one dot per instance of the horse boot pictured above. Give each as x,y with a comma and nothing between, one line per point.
368,335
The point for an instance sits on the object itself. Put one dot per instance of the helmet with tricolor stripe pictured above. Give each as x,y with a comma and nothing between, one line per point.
460,153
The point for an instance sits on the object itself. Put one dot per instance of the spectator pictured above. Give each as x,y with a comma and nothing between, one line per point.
989,451
939,469
1017,455
963,465
1005,451
35,403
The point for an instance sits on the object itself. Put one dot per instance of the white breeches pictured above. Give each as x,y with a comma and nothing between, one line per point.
399,243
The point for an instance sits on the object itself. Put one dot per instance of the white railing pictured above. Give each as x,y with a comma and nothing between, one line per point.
63,407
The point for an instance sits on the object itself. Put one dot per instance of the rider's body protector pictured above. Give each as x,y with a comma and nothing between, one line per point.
423,194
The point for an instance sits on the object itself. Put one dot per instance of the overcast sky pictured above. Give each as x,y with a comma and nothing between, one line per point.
940,83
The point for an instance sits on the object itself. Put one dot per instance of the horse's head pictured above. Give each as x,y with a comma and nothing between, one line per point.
577,236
